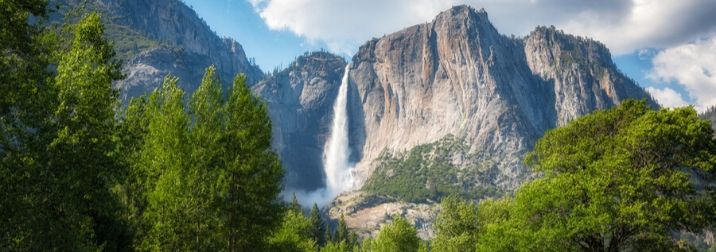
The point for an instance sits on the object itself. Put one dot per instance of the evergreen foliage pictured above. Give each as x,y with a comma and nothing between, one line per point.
621,179
26,105
399,235
318,231
210,178
163,173
294,234
83,151
456,226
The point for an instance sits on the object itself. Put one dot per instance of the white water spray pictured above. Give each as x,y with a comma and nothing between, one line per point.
336,153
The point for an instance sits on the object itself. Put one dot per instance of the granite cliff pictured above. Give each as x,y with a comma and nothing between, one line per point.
160,37
492,95
457,75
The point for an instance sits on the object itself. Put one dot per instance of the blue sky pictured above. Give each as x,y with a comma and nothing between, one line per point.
667,46
239,20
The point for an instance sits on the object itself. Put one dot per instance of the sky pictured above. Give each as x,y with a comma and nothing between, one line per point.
667,46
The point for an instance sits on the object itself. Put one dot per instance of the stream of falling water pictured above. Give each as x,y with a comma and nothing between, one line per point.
336,153
337,167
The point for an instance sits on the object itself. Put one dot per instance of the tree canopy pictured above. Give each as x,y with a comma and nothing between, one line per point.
456,226
620,179
400,235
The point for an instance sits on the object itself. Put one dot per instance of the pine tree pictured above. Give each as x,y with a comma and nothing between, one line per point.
293,234
456,225
317,226
397,236
132,130
342,231
83,159
352,240
26,104
164,160
329,233
207,117
294,205
252,180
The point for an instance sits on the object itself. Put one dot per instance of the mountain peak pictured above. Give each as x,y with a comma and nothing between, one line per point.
317,58
463,14
461,62
463,10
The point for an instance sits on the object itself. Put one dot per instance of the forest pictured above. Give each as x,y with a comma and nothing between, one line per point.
170,171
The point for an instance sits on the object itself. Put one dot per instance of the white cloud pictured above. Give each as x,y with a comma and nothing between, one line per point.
344,24
692,65
623,25
667,97
649,23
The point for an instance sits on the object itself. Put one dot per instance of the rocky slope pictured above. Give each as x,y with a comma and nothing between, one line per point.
160,37
300,101
458,76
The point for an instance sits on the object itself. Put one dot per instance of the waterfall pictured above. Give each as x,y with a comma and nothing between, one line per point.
336,165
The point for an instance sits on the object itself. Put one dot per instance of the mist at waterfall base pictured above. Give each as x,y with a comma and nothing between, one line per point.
337,168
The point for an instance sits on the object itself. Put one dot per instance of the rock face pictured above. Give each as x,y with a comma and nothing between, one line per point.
160,37
300,101
458,76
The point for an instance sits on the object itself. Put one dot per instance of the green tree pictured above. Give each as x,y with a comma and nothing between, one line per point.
341,231
295,206
164,161
456,225
132,131
367,245
336,247
620,179
318,231
424,246
210,179
352,240
294,234
252,179
83,159
208,118
26,104
492,218
397,236
26,50
329,233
